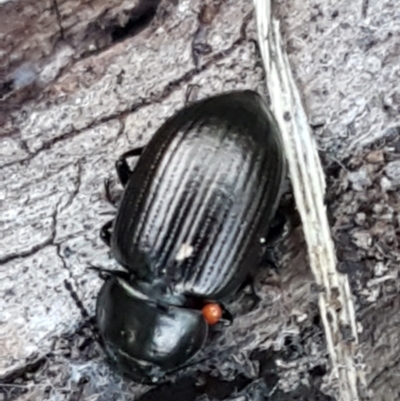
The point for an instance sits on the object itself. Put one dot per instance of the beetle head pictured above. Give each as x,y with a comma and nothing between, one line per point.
143,338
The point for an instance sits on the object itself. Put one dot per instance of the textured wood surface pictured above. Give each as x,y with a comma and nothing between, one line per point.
81,82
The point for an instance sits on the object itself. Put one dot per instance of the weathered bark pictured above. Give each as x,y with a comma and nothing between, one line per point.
82,81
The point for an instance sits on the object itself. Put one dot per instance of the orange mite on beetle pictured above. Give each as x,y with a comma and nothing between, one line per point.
212,313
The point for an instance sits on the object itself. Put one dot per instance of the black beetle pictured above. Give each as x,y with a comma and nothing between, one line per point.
189,228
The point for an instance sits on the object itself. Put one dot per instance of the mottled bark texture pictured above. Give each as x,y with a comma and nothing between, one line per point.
83,81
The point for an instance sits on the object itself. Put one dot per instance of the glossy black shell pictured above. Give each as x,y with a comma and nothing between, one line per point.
201,196
142,338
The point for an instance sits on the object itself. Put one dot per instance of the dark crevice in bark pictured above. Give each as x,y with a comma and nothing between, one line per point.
24,146
6,87
71,284
163,94
364,8
139,18
200,46
68,283
27,253
79,304
37,247
103,32
384,373
24,379
59,19
199,386
187,388
77,185
30,366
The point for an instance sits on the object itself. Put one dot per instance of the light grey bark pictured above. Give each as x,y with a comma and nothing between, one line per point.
75,93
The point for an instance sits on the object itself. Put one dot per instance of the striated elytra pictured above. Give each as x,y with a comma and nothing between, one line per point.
188,229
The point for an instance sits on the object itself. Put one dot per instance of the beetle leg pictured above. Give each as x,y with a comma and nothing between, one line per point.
277,228
107,190
284,220
270,258
105,232
105,274
123,169
227,318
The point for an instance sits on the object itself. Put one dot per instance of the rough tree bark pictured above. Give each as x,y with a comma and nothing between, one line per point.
82,81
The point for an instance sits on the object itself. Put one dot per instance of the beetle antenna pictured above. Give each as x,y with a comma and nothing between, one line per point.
104,274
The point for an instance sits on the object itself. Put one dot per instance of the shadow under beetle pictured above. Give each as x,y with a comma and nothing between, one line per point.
189,230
